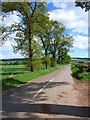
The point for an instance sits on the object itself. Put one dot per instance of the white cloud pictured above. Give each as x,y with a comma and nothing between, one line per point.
7,46
73,17
12,18
13,55
57,1
7,50
80,42
61,3
0,56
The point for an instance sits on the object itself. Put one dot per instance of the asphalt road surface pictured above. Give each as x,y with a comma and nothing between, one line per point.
49,96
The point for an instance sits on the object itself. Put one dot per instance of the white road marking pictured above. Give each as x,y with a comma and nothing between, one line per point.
43,88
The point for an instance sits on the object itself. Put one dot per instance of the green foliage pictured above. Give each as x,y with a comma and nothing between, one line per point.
28,12
57,30
46,60
35,23
36,49
66,59
53,62
84,67
63,49
83,4
80,72
36,58
37,63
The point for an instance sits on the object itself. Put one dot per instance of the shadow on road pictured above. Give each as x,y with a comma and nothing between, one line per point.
29,90
49,109
21,100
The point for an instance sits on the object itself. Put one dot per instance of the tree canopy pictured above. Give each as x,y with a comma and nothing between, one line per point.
41,40
28,12
83,4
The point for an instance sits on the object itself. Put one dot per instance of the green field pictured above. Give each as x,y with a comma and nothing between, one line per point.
15,75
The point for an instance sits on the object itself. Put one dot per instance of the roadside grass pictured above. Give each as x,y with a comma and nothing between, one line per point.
16,75
81,76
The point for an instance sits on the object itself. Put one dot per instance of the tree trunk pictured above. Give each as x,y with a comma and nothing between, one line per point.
59,57
54,59
62,60
46,66
59,60
54,56
30,51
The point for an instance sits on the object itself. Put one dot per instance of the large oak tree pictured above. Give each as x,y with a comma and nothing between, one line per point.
30,14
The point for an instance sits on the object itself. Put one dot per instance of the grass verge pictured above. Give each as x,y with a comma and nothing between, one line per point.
14,75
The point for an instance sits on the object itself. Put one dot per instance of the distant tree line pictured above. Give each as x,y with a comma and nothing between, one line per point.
42,41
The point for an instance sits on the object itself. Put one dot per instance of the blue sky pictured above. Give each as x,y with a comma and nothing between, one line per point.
75,19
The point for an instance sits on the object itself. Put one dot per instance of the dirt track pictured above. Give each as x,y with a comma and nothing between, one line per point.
50,96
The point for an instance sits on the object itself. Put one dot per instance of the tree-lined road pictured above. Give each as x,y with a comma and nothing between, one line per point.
49,96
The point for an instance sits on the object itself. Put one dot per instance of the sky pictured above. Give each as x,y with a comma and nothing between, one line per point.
74,18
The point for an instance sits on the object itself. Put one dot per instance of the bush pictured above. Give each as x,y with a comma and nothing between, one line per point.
80,71
83,67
